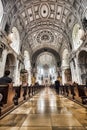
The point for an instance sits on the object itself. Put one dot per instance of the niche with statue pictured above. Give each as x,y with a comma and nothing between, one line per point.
68,75
24,76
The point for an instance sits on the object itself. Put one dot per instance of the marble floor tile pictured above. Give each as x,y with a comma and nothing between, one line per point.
22,110
82,118
48,110
64,120
9,128
37,120
68,128
36,128
13,120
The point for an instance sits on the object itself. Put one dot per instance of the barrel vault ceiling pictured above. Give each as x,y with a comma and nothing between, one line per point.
42,23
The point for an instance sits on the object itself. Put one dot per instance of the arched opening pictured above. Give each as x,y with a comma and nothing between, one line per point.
66,71
1,11
46,59
10,65
46,68
15,38
82,58
77,35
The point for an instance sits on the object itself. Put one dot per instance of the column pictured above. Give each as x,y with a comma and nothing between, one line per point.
73,71
3,62
17,74
78,72
63,76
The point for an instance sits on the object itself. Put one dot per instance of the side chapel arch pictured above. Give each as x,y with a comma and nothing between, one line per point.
10,64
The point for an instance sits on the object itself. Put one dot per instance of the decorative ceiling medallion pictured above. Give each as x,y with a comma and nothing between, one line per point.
45,36
44,10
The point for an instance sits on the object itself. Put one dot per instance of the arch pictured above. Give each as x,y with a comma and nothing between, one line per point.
77,36
46,68
82,59
39,51
15,38
1,11
10,64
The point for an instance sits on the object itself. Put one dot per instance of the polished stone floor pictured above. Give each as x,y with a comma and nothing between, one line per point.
46,111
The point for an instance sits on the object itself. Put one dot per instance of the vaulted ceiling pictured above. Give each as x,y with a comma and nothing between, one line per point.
46,59
43,23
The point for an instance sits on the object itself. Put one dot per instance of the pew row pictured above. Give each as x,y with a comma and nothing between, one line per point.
75,92
11,96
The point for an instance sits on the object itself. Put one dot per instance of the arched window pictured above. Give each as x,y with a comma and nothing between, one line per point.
65,58
26,60
15,38
76,36
1,11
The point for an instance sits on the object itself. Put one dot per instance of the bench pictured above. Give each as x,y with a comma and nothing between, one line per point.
17,94
82,93
72,91
3,95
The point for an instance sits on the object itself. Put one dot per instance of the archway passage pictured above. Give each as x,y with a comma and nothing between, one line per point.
46,68
10,65
82,58
46,64
50,50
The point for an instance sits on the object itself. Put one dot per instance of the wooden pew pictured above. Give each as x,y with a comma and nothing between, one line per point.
7,101
82,93
72,90
17,95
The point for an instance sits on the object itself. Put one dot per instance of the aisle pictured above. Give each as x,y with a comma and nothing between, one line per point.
46,111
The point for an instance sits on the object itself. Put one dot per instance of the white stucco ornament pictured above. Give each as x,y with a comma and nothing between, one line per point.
81,34
44,10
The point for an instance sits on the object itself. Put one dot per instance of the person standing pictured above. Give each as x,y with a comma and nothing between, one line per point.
57,86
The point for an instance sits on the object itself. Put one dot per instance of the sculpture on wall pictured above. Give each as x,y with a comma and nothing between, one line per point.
68,75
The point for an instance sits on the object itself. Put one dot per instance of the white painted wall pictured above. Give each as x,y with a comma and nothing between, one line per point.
15,38
1,11
17,81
